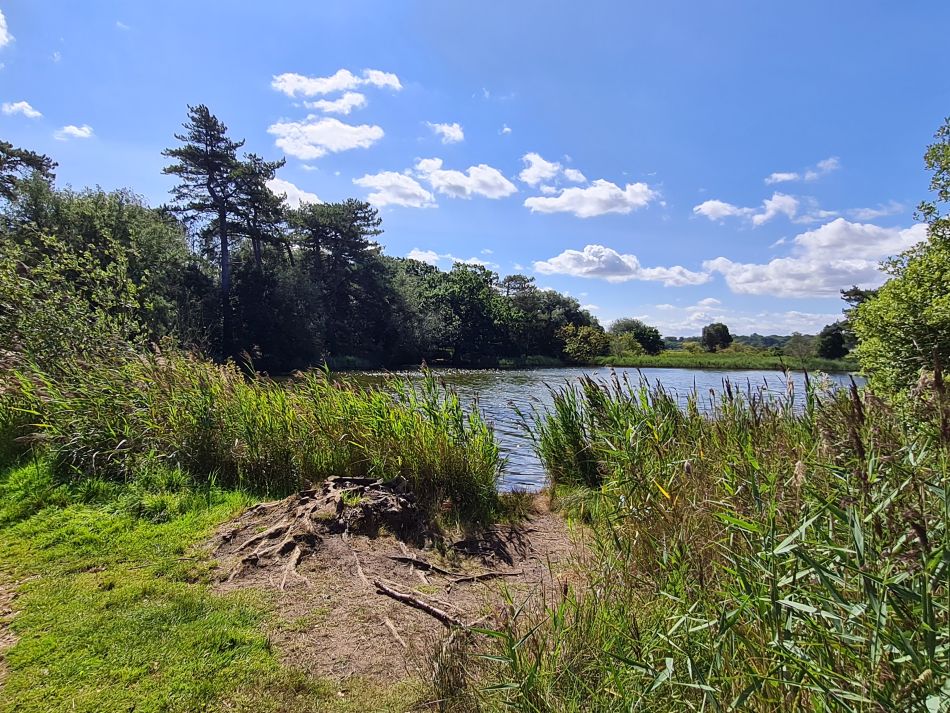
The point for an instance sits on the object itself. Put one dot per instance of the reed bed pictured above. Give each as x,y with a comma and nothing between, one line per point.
762,553
114,420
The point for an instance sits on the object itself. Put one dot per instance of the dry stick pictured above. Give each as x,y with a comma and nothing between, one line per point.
446,619
422,564
395,633
359,569
484,576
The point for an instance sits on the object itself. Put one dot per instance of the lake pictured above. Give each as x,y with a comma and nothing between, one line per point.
499,392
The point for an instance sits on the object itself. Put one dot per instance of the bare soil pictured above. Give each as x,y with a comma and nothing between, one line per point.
327,565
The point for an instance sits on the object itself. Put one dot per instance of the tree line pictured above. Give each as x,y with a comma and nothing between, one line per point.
229,267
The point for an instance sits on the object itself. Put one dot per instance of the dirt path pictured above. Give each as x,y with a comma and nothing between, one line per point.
333,621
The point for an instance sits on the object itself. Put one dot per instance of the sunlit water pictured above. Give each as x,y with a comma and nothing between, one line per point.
502,393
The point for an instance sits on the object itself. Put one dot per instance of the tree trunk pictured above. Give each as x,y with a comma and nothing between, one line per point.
227,326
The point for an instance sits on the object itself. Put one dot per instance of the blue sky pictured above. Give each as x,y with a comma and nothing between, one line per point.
679,162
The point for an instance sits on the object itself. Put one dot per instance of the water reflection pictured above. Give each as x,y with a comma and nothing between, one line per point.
502,393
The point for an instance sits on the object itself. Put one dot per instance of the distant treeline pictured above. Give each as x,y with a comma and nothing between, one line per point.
230,268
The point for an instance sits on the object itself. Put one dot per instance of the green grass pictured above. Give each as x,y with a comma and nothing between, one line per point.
726,360
755,557
114,610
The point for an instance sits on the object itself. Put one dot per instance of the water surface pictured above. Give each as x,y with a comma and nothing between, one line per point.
500,393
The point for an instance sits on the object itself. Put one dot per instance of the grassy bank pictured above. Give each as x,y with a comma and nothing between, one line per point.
728,360
114,609
760,557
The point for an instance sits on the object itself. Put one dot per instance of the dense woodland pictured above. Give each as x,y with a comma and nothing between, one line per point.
230,268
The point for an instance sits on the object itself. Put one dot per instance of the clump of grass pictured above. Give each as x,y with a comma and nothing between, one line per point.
753,555
111,420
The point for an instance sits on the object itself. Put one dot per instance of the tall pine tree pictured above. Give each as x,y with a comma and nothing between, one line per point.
208,193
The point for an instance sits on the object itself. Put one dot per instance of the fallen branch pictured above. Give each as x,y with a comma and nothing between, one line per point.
484,575
446,619
422,564
395,633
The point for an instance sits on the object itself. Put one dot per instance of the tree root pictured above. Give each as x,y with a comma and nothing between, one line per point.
445,618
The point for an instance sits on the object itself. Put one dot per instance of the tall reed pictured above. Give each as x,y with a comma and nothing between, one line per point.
753,554
257,434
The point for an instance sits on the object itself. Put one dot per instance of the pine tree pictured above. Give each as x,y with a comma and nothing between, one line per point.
208,193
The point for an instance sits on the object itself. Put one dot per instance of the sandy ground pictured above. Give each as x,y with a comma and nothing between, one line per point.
333,621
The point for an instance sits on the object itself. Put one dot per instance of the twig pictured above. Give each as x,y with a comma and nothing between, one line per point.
446,619
395,633
485,575
359,569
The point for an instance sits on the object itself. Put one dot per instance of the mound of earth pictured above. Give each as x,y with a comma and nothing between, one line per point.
363,588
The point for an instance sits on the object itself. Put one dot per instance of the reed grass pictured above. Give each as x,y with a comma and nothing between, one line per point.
765,552
112,420
726,360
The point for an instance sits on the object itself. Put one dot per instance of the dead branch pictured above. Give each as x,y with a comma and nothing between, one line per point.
446,619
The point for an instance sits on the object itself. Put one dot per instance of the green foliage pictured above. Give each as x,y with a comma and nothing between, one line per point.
756,554
799,346
832,341
692,356
625,344
648,337
112,421
716,336
584,344
18,164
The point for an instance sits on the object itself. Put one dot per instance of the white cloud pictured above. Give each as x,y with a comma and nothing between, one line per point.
391,188
487,251
505,129
73,132
781,177
823,167
312,138
344,105
5,36
591,308
823,261
121,25
709,302
293,195
434,258
537,169
292,84
22,107
548,190
597,261
480,180
450,133
56,56
882,211
717,210
778,204
599,198
575,176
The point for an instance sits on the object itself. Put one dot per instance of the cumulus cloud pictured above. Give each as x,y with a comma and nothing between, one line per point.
437,259
575,176
717,210
778,204
344,105
391,188
823,167
823,261
480,180
313,137
293,195
599,198
505,129
597,261
537,170
5,36
73,132
450,133
22,107
293,84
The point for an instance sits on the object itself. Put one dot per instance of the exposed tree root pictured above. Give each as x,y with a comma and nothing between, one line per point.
445,618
